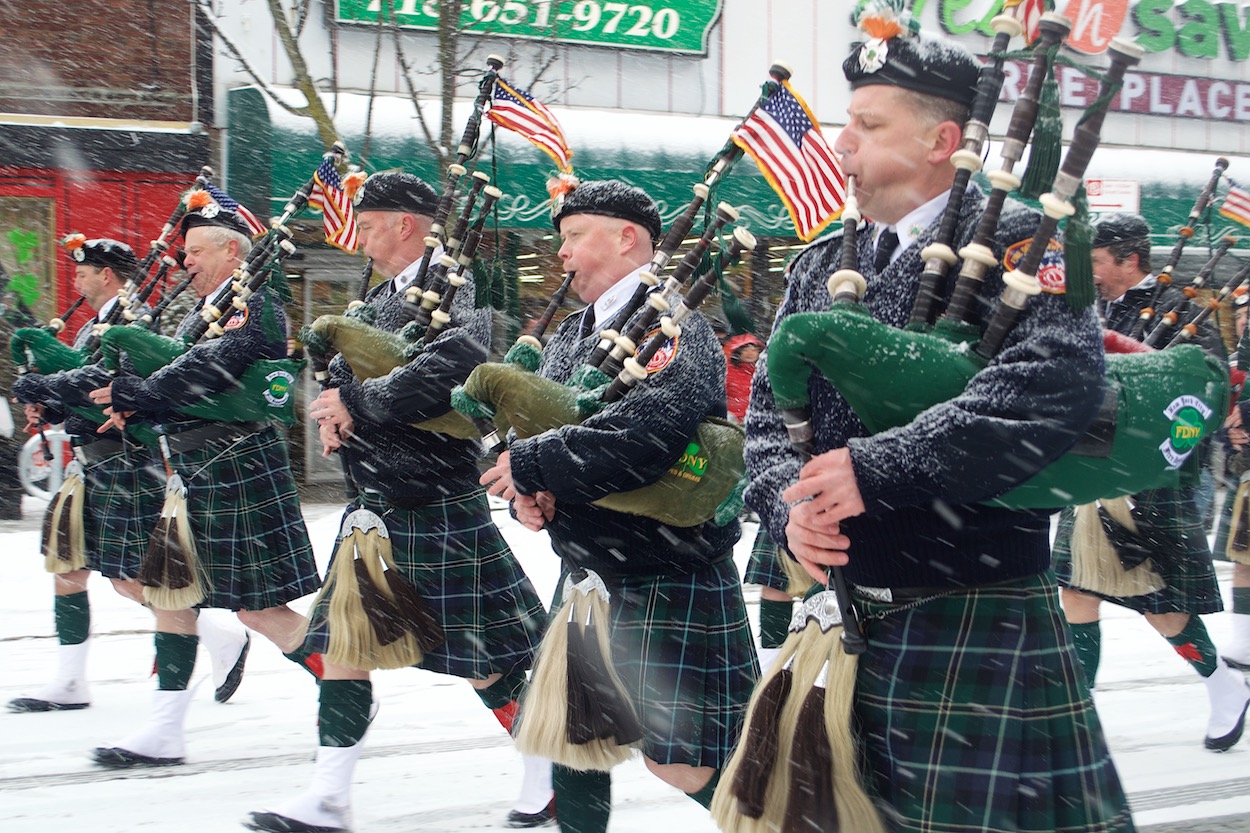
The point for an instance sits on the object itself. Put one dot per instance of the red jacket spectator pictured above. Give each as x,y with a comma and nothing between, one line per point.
741,353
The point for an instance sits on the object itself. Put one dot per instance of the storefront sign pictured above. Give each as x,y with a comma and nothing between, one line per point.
661,25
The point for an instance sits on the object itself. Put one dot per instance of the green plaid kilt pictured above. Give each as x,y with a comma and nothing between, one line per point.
1183,560
762,567
462,567
245,516
123,502
973,715
683,648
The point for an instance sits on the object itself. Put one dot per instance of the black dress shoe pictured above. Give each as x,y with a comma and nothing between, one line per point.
118,758
274,823
543,818
227,689
34,704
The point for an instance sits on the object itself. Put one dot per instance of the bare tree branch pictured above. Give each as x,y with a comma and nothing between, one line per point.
207,18
303,79
440,152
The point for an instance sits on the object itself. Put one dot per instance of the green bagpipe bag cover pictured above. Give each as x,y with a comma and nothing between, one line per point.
372,353
705,483
266,390
1165,402
41,351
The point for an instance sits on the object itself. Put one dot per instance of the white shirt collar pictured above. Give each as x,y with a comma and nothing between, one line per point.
614,300
914,222
103,311
1145,283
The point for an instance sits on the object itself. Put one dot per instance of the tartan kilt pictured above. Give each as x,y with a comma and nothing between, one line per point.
124,496
683,648
973,714
762,567
1183,562
453,553
245,516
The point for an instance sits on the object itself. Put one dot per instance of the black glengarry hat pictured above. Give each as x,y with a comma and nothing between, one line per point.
898,54
1119,228
611,198
396,191
213,207
101,253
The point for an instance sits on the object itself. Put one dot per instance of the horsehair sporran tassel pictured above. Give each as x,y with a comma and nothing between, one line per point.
1096,565
64,543
171,570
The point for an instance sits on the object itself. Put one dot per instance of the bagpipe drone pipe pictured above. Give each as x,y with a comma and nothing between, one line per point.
706,482
1159,405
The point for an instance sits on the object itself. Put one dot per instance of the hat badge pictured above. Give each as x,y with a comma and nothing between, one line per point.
210,211
359,195
79,255
872,54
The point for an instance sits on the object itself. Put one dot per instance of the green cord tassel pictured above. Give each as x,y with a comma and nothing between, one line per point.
1046,148
1077,254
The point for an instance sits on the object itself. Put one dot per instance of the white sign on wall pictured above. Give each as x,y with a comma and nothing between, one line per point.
1108,196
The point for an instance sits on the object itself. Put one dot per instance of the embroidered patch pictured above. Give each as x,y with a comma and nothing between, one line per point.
279,391
1050,274
236,321
662,356
1188,415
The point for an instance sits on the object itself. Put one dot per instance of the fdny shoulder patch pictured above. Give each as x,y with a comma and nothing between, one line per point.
236,321
662,356
1050,274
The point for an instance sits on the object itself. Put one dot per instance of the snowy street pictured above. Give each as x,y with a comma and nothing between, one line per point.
435,759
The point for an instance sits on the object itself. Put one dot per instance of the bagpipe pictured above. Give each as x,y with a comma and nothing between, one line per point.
372,352
706,483
1158,406
265,391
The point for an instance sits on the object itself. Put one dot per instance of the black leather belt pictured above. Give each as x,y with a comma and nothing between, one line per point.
214,432
97,450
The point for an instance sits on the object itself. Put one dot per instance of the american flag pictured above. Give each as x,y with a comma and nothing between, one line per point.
1029,13
228,203
515,109
1236,205
784,139
339,218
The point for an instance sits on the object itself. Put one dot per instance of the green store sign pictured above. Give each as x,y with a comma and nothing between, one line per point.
661,25
1194,28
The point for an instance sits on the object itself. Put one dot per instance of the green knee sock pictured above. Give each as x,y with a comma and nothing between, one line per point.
774,622
175,660
73,618
583,800
1087,638
306,659
704,796
344,711
1241,600
1195,646
504,691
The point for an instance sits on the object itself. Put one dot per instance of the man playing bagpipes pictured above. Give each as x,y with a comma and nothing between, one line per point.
121,499
1232,540
240,532
968,707
1164,529
423,486
678,628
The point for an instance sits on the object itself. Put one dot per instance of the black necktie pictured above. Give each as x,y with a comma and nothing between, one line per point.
588,322
887,242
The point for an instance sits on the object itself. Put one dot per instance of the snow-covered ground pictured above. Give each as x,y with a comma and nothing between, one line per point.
436,760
